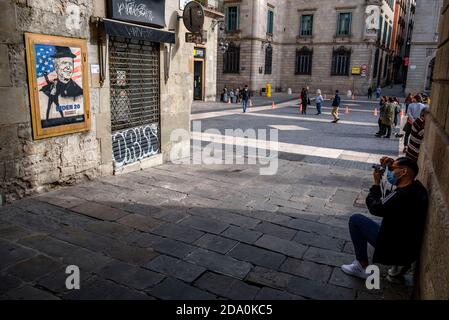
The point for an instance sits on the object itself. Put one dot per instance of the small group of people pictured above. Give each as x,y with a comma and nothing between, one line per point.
389,111
232,96
305,101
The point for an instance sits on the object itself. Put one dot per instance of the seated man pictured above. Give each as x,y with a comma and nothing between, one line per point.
397,240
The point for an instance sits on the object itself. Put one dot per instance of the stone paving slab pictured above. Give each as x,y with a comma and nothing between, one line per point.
218,263
226,287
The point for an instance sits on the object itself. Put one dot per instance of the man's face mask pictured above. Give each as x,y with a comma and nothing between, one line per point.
393,179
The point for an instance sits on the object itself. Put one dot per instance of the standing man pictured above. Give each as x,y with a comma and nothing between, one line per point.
245,98
335,105
378,92
370,93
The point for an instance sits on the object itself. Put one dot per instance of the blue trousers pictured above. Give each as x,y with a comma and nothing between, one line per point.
245,104
363,230
318,107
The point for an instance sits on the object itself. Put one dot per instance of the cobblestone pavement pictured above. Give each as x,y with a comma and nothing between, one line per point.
192,232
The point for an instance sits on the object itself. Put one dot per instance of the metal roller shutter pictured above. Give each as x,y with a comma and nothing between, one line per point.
135,99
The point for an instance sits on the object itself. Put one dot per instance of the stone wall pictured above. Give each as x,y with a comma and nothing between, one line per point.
29,166
434,158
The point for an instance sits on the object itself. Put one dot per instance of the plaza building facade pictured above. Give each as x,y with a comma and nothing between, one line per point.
424,46
327,45
92,88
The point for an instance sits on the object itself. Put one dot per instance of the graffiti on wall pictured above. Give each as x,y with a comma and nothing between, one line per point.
134,144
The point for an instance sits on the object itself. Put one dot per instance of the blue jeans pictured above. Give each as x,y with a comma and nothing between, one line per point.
245,105
363,231
318,107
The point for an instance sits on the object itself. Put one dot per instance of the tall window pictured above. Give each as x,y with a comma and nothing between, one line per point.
381,23
341,60
270,19
344,24
231,59
389,36
384,37
306,25
268,59
303,63
232,18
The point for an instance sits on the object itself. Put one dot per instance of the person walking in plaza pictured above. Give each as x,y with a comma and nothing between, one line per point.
370,93
237,95
388,117
304,101
378,92
335,105
245,98
382,104
319,102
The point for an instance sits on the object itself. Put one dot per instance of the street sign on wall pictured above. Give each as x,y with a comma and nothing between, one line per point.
193,16
355,70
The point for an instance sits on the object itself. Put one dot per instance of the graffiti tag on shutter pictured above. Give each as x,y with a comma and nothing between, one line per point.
134,144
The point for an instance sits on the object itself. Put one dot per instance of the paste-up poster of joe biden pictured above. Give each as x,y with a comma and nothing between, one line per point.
60,85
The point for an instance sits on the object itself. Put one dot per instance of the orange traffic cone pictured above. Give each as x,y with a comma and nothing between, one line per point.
273,105
229,101
325,97
347,110
250,103
375,112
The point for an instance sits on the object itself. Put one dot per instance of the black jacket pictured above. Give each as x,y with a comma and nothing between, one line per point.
336,102
404,215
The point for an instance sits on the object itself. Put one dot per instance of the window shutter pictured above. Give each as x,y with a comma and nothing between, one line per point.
238,18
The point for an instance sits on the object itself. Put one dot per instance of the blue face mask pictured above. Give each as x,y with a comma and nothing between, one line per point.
391,177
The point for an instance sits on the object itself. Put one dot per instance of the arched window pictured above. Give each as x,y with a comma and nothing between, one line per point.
341,61
231,59
268,59
303,65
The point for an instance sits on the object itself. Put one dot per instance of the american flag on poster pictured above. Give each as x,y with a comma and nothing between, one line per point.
45,65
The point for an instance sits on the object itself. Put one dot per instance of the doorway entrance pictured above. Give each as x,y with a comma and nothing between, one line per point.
198,80
199,56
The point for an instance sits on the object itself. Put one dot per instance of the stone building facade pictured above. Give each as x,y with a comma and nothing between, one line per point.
404,17
434,158
302,28
29,165
424,45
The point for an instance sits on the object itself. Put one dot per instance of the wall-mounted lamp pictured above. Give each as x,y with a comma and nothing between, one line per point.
223,46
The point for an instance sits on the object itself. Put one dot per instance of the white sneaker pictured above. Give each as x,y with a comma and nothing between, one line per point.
355,269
